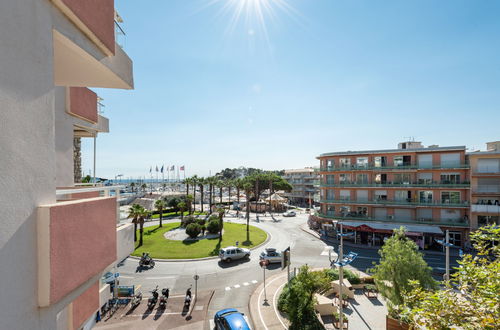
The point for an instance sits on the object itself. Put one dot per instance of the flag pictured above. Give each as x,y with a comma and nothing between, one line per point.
150,169
172,168
161,169
182,168
156,168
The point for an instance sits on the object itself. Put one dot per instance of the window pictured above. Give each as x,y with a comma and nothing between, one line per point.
362,162
450,160
345,210
330,163
404,178
381,178
485,165
330,194
484,220
425,161
381,195
398,160
330,210
362,211
450,197
402,196
345,195
330,179
455,238
362,195
345,162
450,178
424,178
425,196
362,178
345,178
380,161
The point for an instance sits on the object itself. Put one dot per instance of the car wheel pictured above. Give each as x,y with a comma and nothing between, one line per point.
228,260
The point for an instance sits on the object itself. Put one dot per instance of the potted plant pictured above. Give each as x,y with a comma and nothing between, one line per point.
336,320
370,291
345,300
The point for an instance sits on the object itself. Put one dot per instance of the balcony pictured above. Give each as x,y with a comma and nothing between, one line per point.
80,229
462,222
486,190
410,203
372,167
433,184
486,171
481,208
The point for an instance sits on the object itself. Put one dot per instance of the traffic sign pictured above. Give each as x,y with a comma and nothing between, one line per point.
196,277
117,274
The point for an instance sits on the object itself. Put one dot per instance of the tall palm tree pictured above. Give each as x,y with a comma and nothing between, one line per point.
238,183
221,213
189,203
160,205
133,213
194,182
144,187
220,184
229,185
211,183
143,213
248,188
187,182
201,184
182,208
132,185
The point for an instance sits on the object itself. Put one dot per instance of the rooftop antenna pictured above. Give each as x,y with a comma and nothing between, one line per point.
409,138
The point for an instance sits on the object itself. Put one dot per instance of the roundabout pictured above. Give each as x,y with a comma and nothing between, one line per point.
159,247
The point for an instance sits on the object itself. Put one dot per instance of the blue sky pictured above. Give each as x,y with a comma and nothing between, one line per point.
330,76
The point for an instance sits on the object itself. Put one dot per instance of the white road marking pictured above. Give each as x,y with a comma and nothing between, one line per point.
212,323
259,300
228,288
246,284
275,305
237,286
159,277
254,281
125,276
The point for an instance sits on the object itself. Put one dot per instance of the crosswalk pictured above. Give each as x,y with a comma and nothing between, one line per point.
237,286
326,250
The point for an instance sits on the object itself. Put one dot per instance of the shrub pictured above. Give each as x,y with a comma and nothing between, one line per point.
193,230
187,221
352,277
213,226
213,217
201,222
368,280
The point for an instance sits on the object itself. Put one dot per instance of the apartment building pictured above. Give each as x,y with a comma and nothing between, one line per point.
425,189
305,191
485,186
57,239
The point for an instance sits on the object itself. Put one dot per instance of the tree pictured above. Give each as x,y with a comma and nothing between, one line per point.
182,208
400,262
160,205
187,182
247,188
221,213
143,213
211,183
193,230
238,183
471,299
297,299
144,187
173,202
220,184
132,186
201,184
133,213
194,183
189,203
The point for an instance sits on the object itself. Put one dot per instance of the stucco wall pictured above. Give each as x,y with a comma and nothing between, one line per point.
85,305
83,103
125,241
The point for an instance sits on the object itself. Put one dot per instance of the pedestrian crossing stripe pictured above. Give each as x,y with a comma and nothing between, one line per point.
228,288
246,284
237,286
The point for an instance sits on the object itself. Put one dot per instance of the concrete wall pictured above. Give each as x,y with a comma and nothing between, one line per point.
86,304
125,241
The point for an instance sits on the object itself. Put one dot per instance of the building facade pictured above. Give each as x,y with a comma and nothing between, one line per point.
57,238
305,191
427,190
485,186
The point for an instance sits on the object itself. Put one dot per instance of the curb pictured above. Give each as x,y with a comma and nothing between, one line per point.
268,238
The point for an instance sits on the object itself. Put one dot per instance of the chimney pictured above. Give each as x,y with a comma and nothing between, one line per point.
493,146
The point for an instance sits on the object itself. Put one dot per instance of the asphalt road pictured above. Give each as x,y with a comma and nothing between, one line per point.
234,283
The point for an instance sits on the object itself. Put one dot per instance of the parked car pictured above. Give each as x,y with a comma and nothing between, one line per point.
289,214
230,319
233,253
271,254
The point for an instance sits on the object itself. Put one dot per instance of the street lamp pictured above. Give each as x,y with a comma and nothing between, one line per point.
341,263
447,246
263,264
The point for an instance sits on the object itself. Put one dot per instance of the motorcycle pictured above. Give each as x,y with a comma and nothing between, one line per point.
146,260
163,298
187,299
154,299
136,300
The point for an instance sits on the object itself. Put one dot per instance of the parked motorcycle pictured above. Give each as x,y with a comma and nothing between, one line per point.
187,299
154,299
146,260
136,300
163,299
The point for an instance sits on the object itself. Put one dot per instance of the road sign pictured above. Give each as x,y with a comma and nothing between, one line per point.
196,277
264,263
117,274
285,258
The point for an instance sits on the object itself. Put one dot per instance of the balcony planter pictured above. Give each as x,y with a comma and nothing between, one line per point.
345,301
370,291
336,319
393,324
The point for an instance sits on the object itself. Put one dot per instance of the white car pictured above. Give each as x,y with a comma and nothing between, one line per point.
289,214
271,254
233,253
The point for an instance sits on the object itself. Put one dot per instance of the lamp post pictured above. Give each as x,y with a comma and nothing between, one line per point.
341,263
263,264
446,244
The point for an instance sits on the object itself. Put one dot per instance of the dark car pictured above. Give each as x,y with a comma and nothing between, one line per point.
230,319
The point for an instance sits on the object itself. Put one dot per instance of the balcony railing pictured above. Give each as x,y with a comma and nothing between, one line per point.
445,184
482,208
120,35
486,170
486,189
397,202
462,222
371,167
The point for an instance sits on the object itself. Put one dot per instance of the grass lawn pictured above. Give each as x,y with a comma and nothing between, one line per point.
160,247
176,214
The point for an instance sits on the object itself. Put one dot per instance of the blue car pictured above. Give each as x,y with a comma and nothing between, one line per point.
230,319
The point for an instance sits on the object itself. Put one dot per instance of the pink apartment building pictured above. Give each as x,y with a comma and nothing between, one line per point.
57,238
425,189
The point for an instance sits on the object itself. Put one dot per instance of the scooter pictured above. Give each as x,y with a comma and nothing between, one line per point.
163,299
187,299
136,300
154,299
146,260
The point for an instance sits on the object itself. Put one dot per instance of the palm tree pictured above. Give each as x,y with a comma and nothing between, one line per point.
144,187
189,203
160,205
132,185
238,183
211,182
248,188
182,208
194,182
220,184
229,185
187,182
133,213
221,213
201,184
142,214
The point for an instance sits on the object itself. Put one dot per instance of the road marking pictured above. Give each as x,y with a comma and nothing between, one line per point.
237,286
254,281
159,277
260,297
212,323
246,284
274,303
125,276
228,288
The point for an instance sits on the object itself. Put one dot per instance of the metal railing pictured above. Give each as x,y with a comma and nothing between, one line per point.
485,189
486,170
372,167
397,202
120,35
462,222
464,184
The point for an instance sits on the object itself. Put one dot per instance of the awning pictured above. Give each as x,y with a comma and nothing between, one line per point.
412,230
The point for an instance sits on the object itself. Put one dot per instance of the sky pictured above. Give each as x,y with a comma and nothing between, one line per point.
275,89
